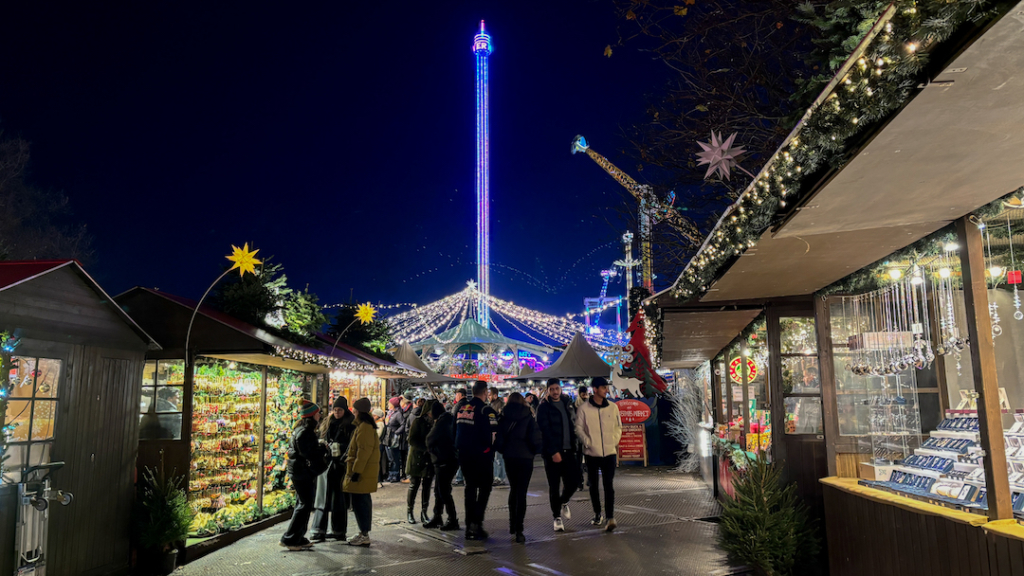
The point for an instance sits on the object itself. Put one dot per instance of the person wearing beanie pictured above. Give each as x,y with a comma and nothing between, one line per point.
419,467
599,429
362,462
335,432
441,447
307,459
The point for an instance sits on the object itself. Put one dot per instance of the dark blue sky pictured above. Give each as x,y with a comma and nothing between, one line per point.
336,136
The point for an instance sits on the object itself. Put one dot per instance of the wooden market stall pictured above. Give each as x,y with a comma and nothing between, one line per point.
74,400
901,418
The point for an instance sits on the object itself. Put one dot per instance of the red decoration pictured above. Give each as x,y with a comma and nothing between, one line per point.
1013,277
633,411
640,366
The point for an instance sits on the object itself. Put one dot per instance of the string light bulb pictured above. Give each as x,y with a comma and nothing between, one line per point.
944,272
895,273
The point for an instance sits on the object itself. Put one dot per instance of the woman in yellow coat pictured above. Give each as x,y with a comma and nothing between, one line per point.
361,465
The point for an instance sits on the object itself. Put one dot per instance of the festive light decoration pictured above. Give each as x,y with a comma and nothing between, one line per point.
365,313
243,259
865,93
8,343
720,156
338,364
637,362
482,48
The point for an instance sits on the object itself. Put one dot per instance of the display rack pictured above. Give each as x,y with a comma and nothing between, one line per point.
895,418
284,396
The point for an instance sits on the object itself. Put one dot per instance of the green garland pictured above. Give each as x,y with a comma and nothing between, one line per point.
876,85
7,345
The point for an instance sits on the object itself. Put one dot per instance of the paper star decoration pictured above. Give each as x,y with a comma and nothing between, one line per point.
243,259
365,313
720,156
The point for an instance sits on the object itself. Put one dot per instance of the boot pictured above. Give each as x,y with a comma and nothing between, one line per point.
452,524
411,517
424,516
434,522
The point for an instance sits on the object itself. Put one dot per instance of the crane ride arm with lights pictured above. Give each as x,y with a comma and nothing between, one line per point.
652,210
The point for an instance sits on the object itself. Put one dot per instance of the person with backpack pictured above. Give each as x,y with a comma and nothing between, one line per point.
336,432
599,429
307,459
519,440
361,464
441,447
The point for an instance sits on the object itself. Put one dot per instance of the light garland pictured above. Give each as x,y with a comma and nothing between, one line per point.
337,363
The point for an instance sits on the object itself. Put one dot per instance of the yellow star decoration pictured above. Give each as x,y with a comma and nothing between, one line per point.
244,260
365,313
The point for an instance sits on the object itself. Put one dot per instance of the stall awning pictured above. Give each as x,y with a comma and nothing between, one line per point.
694,336
578,361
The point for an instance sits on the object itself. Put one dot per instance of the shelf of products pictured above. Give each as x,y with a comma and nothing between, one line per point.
284,397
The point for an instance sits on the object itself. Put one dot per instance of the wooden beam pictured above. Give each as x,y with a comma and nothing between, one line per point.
826,377
983,367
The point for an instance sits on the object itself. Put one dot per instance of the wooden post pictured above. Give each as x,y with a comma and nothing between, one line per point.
826,376
983,367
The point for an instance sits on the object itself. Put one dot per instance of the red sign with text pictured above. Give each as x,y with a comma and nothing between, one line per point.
633,411
633,445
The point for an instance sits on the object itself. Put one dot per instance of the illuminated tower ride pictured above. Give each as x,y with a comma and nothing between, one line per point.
482,49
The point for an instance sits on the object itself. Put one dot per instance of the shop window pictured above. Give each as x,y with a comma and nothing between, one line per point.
32,410
801,380
160,410
284,398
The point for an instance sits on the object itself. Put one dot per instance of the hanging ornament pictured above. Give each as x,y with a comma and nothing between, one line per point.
995,272
1013,275
720,156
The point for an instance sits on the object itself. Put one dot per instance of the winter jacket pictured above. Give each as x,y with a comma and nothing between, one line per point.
340,430
599,427
305,448
363,457
549,418
398,429
518,432
474,429
441,441
418,465
498,406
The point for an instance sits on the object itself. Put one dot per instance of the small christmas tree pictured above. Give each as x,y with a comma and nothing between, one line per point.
766,525
637,363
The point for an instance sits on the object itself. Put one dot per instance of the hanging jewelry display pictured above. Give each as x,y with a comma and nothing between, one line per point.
1013,275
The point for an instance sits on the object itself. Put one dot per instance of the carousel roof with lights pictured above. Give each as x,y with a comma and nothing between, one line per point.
471,334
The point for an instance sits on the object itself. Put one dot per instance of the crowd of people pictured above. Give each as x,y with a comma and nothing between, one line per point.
478,440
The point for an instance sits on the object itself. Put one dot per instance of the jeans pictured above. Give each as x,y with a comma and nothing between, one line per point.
499,468
520,470
478,470
335,504
606,466
397,458
443,490
362,507
305,493
565,472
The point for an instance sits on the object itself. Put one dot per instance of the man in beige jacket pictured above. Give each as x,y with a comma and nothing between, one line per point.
599,429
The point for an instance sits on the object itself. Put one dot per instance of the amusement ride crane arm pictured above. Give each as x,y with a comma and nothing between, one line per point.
639,191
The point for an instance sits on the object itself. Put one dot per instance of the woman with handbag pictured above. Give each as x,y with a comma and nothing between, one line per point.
519,440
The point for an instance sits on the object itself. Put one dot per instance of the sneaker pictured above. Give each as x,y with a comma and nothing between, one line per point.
360,540
598,520
566,513
317,538
520,539
611,525
559,526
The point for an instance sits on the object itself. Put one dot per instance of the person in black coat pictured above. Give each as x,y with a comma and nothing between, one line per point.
306,460
475,425
335,432
461,399
519,441
441,447
557,422
398,438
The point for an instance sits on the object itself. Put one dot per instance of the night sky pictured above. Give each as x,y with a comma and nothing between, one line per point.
336,136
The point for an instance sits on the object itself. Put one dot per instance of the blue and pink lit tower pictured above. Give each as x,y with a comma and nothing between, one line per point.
482,49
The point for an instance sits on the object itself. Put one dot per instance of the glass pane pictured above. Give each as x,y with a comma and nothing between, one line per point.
149,373
43,417
18,414
162,427
798,336
803,416
22,377
800,375
39,453
16,463
168,399
47,378
147,399
171,373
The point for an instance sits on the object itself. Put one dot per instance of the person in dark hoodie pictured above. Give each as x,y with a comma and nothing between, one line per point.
475,425
335,432
306,460
519,441
419,467
441,446
557,422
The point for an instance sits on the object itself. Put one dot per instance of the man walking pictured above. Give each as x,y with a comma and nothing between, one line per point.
599,428
581,398
460,401
500,478
555,417
475,425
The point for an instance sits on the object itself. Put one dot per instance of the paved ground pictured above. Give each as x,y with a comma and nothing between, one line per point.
663,528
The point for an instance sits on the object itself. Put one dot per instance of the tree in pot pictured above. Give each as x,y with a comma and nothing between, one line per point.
766,526
163,518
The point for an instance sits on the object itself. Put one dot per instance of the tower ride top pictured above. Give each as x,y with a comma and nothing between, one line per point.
482,48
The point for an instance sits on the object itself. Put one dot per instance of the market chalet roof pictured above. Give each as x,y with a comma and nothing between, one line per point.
15,273
957,145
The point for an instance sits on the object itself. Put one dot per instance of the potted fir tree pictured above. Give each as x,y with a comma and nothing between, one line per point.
163,520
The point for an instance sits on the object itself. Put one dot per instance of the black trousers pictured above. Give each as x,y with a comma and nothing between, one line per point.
414,486
305,493
479,474
565,473
336,504
443,490
519,471
606,466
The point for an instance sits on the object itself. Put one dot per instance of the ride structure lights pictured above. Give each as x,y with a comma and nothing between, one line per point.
482,48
